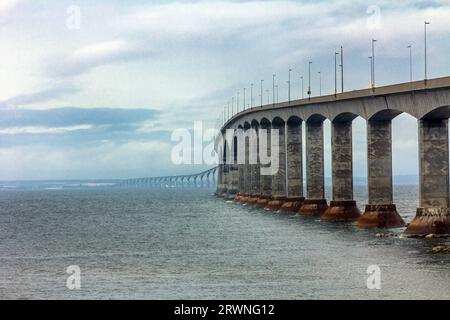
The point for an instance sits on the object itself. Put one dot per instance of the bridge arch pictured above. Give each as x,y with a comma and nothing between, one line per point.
437,113
385,115
345,117
316,118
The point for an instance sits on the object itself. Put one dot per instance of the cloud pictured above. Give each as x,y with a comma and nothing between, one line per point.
99,54
40,130
6,5
44,95
71,116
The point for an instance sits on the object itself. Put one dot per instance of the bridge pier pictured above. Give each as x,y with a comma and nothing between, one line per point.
279,174
254,167
294,199
265,179
233,186
432,216
315,204
247,168
380,212
342,207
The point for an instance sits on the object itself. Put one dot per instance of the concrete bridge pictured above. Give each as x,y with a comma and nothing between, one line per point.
428,101
204,179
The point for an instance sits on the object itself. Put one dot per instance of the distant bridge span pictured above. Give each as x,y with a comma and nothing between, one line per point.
205,178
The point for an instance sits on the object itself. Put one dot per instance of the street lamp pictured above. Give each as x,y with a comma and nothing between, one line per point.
335,72
273,88
342,68
410,63
244,98
371,71
309,79
262,81
289,87
303,88
232,106
228,110
373,63
426,71
251,95
237,103
320,83
268,96
276,88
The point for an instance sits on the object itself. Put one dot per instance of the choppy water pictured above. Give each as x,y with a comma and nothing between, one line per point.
187,244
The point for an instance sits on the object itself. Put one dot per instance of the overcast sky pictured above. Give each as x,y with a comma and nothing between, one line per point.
101,100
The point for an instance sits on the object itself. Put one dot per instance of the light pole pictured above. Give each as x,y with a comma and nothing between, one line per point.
320,83
262,81
373,63
251,95
410,63
335,72
273,88
342,68
232,106
303,88
425,34
371,71
309,79
268,96
244,98
289,86
237,102
276,88
228,110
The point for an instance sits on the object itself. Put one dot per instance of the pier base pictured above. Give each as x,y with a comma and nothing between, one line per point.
314,207
292,204
252,199
341,211
263,201
429,221
380,216
244,198
275,203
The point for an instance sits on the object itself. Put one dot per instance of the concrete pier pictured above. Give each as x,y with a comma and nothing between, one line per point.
279,174
380,212
294,199
342,207
265,179
432,216
247,168
233,171
255,167
315,203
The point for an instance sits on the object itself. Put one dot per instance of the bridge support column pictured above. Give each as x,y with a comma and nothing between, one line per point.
432,217
342,207
232,173
294,199
315,204
254,167
380,212
279,174
241,167
247,168
265,179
